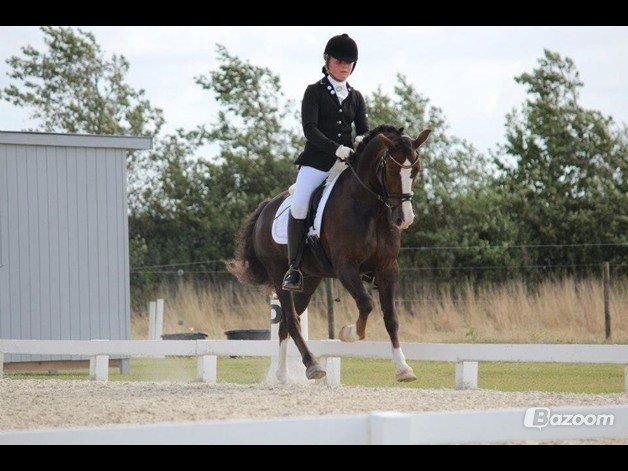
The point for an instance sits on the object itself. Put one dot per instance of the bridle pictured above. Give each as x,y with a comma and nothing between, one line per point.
380,174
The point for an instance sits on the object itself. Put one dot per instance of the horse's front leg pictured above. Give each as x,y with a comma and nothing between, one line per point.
349,276
388,281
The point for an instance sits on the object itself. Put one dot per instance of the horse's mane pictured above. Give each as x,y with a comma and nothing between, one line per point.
382,128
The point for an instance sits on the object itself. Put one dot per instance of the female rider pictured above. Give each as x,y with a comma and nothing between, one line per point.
329,107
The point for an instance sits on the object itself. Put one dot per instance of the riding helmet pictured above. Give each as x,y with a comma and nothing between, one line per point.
343,48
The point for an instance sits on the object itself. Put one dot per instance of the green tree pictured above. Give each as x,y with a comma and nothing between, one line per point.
71,86
564,168
211,178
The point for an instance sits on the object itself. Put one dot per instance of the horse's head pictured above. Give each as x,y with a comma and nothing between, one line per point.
399,167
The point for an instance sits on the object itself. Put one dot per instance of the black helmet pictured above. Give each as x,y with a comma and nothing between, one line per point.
343,48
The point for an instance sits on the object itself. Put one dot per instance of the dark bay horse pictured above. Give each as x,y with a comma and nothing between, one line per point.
361,233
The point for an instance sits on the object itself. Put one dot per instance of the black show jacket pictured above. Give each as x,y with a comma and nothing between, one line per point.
327,123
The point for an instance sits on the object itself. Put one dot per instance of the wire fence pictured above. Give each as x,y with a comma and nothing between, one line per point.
144,268
416,281
434,283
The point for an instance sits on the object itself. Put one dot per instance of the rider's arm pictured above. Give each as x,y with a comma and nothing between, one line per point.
309,118
361,118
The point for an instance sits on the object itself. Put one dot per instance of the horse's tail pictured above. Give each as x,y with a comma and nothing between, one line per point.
246,267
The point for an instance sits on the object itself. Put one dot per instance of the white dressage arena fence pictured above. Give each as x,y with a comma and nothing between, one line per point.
376,428
465,356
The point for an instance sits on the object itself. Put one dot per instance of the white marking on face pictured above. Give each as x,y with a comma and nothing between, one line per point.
406,187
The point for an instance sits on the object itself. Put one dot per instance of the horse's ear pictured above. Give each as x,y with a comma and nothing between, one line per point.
421,139
384,140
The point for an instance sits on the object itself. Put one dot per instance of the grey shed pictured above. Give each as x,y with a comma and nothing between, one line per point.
64,245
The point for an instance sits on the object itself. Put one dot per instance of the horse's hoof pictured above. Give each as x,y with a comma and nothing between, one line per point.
314,372
405,376
348,333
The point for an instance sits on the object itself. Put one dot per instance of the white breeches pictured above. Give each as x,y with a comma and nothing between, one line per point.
307,181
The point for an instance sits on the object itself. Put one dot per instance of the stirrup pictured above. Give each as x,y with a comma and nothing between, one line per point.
368,277
293,287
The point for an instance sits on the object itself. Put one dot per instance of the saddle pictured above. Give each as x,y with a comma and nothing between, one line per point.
314,242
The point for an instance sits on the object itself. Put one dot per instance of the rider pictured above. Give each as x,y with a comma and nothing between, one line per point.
329,107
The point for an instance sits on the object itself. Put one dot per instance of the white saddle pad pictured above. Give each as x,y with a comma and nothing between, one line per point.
280,224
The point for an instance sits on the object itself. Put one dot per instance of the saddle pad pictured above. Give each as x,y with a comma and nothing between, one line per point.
279,228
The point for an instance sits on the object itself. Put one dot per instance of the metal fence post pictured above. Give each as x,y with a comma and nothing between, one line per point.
330,307
607,301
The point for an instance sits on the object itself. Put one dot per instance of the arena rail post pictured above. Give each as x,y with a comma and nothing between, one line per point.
2,365
99,365
466,375
206,368
332,371
99,368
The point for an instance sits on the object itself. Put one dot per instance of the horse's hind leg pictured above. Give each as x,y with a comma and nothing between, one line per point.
292,325
301,301
350,278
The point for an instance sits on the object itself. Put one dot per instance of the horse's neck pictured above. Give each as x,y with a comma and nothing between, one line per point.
367,168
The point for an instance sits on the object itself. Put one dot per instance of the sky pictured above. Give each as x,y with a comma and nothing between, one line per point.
466,71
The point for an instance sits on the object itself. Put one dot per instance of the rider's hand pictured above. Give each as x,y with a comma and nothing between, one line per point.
358,139
343,152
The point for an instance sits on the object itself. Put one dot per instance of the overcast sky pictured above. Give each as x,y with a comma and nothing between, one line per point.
468,72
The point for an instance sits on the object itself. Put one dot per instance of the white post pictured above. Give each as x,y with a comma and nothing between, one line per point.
2,365
296,369
275,318
206,368
152,310
159,319
625,378
332,370
304,325
99,368
466,375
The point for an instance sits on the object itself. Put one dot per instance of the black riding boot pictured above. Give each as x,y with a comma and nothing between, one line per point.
293,280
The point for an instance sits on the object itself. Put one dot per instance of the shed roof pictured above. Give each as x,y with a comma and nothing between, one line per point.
75,140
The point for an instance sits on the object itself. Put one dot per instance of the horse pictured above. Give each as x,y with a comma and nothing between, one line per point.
361,233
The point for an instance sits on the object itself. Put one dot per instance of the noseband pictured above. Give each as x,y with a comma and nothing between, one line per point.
380,174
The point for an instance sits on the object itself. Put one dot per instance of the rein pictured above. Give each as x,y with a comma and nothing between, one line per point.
380,167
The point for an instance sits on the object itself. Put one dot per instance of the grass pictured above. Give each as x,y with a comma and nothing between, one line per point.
565,310
548,377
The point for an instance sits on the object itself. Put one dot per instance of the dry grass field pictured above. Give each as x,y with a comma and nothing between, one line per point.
558,311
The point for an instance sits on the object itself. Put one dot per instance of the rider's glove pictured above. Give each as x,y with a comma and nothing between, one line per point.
343,152
358,139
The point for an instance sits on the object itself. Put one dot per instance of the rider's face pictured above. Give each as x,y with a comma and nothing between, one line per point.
340,70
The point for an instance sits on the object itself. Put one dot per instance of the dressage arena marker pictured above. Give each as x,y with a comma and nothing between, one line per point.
295,367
